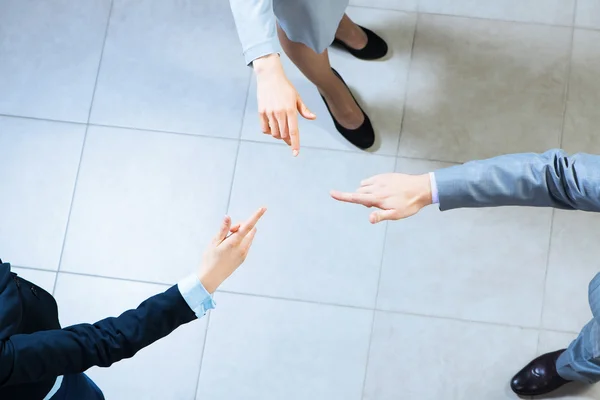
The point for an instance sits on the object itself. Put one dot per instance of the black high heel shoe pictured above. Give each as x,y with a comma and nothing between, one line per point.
362,137
375,48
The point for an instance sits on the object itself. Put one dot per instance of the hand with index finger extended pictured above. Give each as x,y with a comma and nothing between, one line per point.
396,195
227,251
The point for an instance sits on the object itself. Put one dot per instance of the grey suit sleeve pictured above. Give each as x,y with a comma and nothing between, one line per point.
551,179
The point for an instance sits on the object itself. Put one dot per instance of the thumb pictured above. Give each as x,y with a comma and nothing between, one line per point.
303,110
383,215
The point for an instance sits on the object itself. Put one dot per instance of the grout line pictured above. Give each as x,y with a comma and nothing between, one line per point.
237,153
202,355
313,302
567,84
374,7
268,143
202,135
545,279
387,224
560,145
407,83
395,312
85,135
358,152
100,61
534,23
42,119
441,14
385,233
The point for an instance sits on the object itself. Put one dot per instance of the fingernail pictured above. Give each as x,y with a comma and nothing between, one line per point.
295,153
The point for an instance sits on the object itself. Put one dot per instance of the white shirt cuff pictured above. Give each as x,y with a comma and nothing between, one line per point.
435,198
195,295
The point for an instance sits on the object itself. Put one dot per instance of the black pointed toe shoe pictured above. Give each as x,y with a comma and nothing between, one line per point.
539,377
375,48
362,137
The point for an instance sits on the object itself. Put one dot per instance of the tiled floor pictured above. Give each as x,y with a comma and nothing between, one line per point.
127,129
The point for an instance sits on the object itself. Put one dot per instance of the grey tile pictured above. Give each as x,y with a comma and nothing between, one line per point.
50,52
553,12
147,203
308,246
43,279
172,66
379,86
167,369
401,5
480,88
271,349
588,14
573,263
480,264
37,177
552,341
582,119
425,358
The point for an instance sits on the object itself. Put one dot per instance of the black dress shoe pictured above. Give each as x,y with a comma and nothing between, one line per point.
539,376
362,137
375,48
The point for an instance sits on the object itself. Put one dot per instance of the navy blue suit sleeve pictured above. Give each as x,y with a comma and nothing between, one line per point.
48,354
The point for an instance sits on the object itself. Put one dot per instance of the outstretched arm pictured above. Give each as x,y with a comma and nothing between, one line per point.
551,179
47,354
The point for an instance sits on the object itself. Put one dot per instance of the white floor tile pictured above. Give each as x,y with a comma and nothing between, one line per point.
573,263
582,119
308,246
479,264
147,203
266,349
415,358
553,12
49,55
37,178
481,88
172,66
168,369
402,5
588,14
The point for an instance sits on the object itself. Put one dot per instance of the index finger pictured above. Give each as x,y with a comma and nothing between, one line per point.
365,199
294,135
251,222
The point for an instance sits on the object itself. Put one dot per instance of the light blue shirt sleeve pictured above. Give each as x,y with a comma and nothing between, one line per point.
435,197
256,27
195,295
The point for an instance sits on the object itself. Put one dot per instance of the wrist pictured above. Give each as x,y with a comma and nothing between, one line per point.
208,282
425,194
267,64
